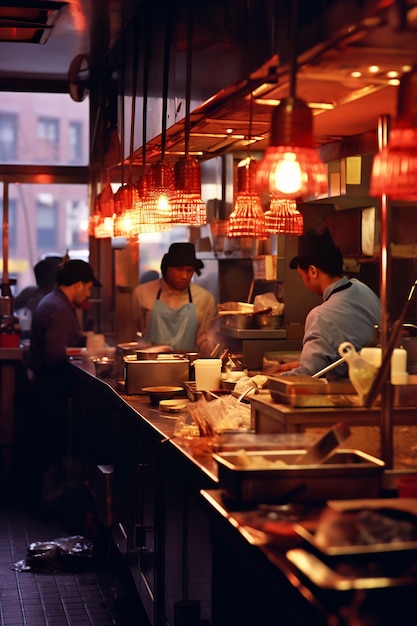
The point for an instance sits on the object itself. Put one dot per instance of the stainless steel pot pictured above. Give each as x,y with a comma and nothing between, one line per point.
239,320
269,320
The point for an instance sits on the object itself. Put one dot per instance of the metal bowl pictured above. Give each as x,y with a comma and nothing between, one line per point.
104,366
162,392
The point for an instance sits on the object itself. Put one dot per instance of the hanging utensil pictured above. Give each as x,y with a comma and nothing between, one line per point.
328,368
325,446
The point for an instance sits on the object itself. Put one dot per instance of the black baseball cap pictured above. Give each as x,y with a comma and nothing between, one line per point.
314,247
76,270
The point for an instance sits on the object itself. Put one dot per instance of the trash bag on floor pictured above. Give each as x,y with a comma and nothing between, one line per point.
64,553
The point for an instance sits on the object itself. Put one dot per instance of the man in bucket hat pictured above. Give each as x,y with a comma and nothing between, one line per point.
349,311
173,310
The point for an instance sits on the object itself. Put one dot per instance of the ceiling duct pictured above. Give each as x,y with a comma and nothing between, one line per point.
28,22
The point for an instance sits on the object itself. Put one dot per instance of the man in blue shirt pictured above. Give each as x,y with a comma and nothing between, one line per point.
349,311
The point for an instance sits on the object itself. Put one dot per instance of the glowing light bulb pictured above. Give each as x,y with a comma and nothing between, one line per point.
288,176
163,203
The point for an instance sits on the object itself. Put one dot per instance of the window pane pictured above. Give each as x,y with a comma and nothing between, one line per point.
75,142
8,137
43,128
45,220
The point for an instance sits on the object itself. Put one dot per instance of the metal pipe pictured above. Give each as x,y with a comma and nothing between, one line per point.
5,284
387,433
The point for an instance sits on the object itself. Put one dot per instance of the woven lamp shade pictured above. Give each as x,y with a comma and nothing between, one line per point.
126,200
247,218
156,206
101,222
187,205
284,218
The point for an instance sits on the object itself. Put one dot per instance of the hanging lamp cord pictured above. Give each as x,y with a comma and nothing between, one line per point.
165,84
187,127
133,110
293,44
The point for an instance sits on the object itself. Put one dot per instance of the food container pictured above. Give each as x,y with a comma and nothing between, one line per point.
162,392
239,320
269,320
152,352
306,391
138,374
104,366
347,474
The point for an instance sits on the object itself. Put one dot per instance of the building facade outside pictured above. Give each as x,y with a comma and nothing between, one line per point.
44,129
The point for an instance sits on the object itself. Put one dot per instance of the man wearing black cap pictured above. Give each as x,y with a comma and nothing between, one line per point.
349,311
172,310
54,324
54,328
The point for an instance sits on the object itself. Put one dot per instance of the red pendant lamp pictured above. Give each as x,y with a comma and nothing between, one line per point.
104,213
394,168
283,218
247,218
291,166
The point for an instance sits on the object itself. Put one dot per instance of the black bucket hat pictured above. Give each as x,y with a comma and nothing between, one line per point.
181,255
314,247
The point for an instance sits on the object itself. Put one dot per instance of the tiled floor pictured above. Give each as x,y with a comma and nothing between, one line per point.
99,593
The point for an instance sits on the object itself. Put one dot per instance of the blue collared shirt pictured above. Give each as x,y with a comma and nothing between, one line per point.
347,313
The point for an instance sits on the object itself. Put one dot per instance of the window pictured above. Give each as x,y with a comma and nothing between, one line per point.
46,222
75,142
48,139
76,226
8,137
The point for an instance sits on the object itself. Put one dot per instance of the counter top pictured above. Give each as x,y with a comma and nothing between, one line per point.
250,541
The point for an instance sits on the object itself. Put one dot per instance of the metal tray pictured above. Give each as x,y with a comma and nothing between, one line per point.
354,551
324,577
306,391
347,474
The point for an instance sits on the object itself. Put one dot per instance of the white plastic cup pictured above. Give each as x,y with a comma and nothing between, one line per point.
95,343
372,355
207,374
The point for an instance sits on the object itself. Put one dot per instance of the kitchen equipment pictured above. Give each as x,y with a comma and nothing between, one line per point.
151,352
104,366
268,320
152,372
306,391
361,372
128,348
325,445
391,343
207,373
235,319
329,368
157,393
346,474
95,343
